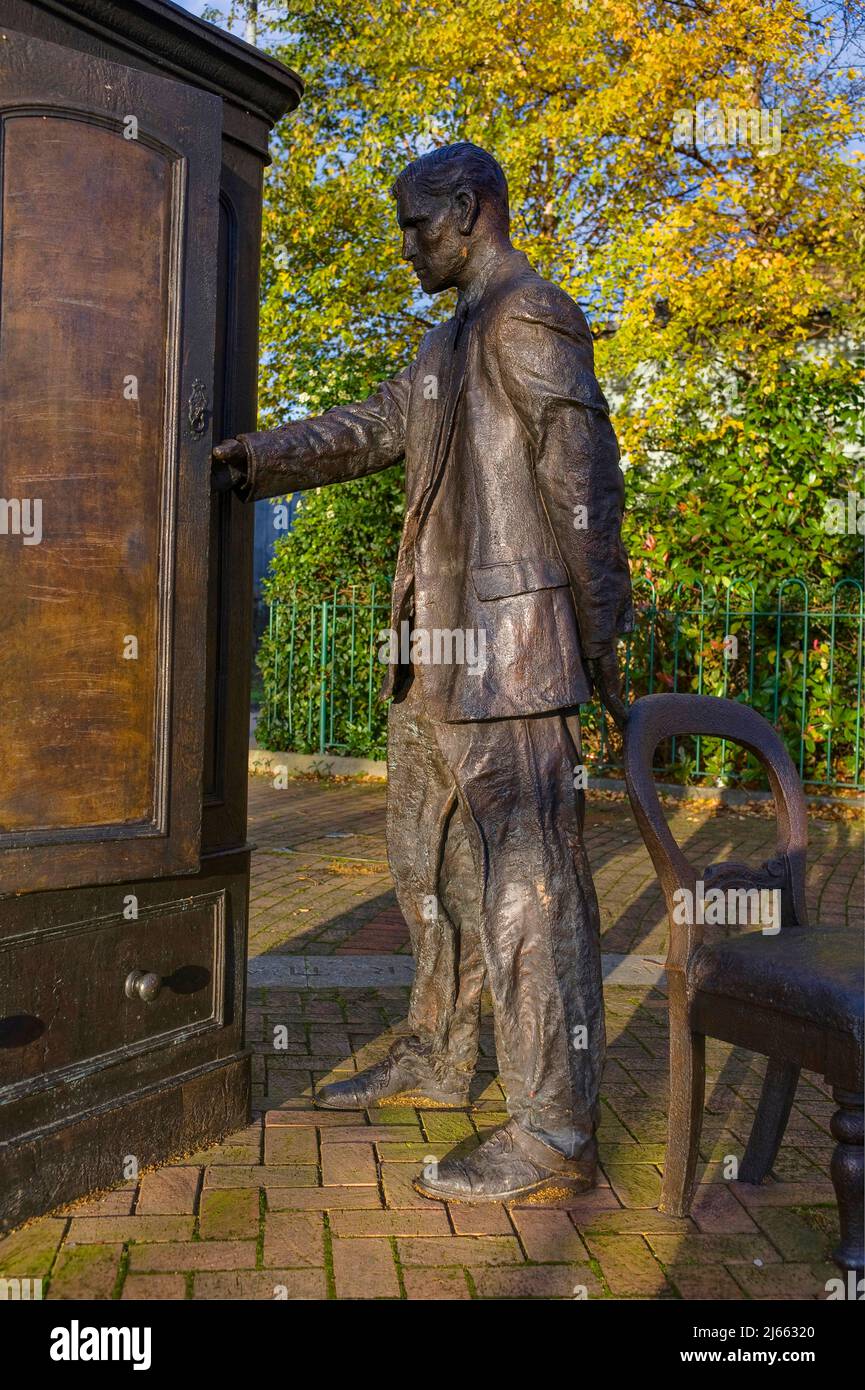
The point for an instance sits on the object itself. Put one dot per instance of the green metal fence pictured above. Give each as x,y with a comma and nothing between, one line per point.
319,660
794,655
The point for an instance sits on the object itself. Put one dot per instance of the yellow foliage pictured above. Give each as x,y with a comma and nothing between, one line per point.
686,170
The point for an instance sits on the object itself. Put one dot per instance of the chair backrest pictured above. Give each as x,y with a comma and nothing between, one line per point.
657,717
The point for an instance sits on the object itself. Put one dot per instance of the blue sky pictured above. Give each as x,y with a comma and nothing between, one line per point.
196,6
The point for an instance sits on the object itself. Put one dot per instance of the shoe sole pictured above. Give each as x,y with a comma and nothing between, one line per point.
400,1098
549,1190
428,1102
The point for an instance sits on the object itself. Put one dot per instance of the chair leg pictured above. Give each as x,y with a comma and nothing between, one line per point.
687,1094
847,1169
770,1122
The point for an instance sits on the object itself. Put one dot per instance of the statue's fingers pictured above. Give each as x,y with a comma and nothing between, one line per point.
619,711
229,451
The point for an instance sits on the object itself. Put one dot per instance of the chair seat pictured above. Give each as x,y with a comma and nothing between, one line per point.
809,973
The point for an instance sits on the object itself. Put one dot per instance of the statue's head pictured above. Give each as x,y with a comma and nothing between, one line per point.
448,202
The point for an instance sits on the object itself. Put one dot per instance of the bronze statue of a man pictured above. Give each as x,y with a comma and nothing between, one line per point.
512,538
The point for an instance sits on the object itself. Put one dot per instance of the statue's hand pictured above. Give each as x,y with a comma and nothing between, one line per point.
230,468
604,671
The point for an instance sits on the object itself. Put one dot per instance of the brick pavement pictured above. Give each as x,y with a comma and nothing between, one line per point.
312,1205
321,883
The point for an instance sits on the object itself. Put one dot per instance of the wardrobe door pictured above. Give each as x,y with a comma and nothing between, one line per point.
109,183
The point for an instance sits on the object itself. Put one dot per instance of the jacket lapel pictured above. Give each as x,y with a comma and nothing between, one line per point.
452,366
454,362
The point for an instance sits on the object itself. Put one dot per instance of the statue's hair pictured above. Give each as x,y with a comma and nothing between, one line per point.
451,167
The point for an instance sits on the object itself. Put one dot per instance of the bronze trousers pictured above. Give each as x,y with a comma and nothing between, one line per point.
485,843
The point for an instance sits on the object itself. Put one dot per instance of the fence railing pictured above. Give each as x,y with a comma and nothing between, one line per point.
794,656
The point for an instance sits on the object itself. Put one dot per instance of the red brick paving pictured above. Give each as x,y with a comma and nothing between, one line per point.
386,931
316,894
324,1207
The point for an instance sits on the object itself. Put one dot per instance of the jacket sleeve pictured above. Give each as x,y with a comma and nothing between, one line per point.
346,442
546,362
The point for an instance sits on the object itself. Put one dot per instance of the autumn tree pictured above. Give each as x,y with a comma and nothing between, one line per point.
687,169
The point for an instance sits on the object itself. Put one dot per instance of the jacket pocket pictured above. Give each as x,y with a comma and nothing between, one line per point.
518,577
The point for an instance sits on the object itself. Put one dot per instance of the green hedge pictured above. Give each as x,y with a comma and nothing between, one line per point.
736,508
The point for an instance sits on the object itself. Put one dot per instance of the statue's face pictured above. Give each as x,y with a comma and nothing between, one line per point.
431,238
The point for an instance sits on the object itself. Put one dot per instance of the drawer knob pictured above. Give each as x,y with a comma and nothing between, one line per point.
143,984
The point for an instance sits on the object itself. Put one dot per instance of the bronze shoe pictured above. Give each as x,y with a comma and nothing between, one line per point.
403,1077
511,1164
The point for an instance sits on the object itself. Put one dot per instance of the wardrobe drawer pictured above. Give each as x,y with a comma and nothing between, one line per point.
87,995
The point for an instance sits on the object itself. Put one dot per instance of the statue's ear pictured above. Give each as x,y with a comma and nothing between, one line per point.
467,208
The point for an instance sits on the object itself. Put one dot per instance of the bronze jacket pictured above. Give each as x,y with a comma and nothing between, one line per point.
514,498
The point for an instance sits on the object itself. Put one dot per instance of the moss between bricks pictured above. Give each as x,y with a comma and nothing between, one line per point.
329,1274
262,1217
400,1276
122,1270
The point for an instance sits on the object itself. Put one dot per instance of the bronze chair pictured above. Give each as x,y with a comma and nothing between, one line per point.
795,996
